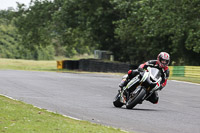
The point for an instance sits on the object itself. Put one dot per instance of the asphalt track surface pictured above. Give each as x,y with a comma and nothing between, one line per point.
89,97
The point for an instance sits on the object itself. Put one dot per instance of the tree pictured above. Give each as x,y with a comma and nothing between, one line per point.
34,23
135,31
155,25
90,21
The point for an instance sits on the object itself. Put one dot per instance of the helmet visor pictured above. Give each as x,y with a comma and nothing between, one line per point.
164,62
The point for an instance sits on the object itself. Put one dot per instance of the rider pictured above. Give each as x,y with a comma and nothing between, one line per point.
161,63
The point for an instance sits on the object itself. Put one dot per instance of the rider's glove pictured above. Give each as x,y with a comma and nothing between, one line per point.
161,87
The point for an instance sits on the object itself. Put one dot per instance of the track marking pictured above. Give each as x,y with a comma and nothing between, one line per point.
41,108
185,82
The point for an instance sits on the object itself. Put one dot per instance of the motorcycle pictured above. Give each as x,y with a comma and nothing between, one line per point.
139,88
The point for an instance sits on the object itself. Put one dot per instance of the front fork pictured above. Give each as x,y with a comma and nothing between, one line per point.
123,96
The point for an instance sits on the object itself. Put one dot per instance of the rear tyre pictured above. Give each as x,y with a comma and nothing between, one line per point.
134,100
117,102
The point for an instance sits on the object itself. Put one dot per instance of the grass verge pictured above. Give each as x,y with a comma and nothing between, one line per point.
18,117
18,64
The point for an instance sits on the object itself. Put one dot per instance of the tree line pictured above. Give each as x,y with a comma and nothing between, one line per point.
134,30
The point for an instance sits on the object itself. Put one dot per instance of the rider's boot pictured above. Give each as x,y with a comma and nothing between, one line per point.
123,83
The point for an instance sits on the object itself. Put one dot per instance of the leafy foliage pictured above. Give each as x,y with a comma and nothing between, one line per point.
135,31
11,42
154,26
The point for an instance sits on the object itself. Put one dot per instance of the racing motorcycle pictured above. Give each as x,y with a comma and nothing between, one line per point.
139,88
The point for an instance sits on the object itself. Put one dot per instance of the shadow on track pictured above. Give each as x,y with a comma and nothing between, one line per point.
137,109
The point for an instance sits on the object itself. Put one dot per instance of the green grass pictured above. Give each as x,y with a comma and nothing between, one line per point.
18,117
18,64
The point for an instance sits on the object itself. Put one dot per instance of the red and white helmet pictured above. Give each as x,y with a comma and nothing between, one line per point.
163,59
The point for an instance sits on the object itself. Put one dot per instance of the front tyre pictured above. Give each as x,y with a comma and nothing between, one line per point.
117,102
134,100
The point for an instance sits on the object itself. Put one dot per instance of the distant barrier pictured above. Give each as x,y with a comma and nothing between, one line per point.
95,65
185,71
59,64
68,64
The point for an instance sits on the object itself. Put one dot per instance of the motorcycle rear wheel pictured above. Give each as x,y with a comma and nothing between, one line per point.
133,101
117,102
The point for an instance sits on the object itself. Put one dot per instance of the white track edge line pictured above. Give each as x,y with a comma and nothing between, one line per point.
41,108
185,82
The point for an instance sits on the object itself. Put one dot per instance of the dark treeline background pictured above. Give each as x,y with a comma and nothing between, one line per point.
134,30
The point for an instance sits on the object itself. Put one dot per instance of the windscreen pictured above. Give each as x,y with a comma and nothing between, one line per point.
155,73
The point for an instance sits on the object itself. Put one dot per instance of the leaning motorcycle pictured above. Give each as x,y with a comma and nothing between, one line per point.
139,88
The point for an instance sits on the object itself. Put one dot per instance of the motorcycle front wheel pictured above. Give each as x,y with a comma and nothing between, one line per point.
134,100
116,101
